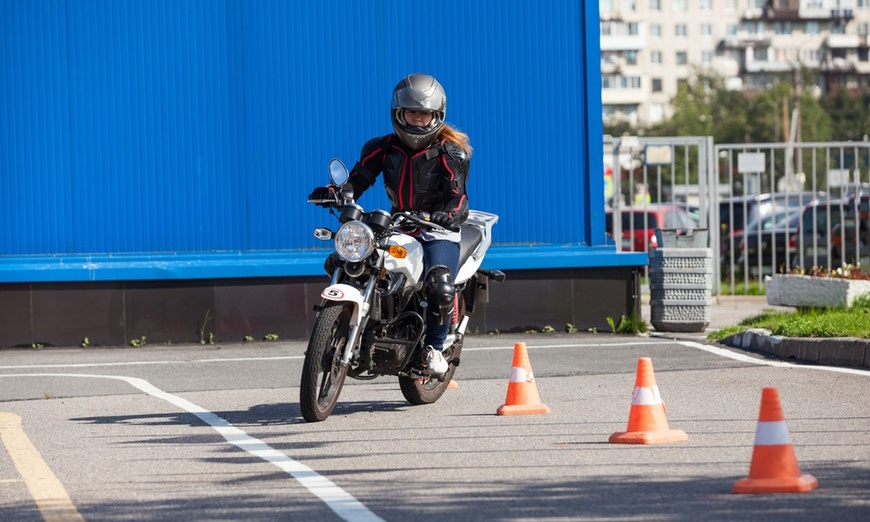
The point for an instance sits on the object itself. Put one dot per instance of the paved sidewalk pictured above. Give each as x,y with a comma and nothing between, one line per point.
730,310
725,310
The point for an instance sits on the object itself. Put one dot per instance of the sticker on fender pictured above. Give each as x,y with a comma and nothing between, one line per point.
333,293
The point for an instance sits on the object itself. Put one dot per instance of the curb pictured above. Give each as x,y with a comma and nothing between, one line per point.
833,351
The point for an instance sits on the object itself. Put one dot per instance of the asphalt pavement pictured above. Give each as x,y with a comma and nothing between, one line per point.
730,310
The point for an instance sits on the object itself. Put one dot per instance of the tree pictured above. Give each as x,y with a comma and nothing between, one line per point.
850,115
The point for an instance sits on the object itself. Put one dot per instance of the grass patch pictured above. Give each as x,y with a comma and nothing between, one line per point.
808,322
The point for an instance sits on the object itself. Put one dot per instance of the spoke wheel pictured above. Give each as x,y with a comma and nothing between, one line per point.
322,372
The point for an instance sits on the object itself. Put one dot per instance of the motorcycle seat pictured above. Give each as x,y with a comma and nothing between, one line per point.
471,238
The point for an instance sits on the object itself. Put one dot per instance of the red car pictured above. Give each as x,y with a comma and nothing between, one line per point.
639,225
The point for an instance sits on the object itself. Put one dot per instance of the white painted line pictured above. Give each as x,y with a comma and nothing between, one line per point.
722,352
337,499
150,363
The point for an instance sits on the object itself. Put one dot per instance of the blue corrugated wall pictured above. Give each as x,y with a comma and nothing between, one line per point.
185,135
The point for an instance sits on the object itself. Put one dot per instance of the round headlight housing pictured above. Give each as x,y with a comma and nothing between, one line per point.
354,241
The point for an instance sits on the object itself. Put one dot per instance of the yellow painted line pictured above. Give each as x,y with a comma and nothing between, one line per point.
51,498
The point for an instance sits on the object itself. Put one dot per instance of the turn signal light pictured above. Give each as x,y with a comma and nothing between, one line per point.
398,252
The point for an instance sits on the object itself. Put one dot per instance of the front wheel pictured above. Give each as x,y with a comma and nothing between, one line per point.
322,372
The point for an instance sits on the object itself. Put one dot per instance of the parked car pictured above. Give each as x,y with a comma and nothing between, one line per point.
639,225
736,212
768,242
833,233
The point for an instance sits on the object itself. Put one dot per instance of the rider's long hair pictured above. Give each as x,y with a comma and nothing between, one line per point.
456,136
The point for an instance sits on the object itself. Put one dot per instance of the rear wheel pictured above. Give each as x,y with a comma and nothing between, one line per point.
426,390
322,372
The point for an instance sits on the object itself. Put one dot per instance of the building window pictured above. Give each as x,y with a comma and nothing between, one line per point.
629,5
679,5
630,57
655,5
707,30
655,31
615,81
681,31
731,29
812,28
707,57
862,29
705,5
782,28
655,57
682,58
631,82
656,85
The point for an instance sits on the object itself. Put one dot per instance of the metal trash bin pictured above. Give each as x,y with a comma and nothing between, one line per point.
681,281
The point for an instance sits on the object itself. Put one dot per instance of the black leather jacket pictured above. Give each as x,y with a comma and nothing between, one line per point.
428,180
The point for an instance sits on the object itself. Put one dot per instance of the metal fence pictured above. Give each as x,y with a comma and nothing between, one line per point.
769,208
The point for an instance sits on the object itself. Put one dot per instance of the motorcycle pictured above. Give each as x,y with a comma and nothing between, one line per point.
371,321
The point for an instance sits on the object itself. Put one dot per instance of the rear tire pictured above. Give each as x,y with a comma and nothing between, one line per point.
322,373
426,390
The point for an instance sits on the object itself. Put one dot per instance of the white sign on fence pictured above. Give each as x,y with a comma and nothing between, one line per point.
750,162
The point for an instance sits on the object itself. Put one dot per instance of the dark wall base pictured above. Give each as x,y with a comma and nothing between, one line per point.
117,313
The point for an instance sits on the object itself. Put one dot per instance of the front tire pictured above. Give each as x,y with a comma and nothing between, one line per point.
322,373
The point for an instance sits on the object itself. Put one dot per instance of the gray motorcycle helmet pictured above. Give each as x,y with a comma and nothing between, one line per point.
418,92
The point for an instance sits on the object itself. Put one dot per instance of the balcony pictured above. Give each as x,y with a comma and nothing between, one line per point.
821,13
623,43
753,13
743,40
771,66
837,65
623,96
843,41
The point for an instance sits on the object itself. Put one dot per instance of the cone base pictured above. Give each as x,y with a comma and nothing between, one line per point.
648,437
522,409
800,484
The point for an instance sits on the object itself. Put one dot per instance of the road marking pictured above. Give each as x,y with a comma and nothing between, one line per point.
341,502
722,352
150,363
51,498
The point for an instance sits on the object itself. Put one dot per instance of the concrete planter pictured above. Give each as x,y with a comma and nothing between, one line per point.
819,292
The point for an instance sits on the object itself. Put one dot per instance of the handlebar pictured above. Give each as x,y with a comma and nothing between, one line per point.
423,219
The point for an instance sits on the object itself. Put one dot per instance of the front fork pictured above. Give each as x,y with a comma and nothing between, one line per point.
363,316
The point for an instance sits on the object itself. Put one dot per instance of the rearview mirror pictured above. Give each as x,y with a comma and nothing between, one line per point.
337,172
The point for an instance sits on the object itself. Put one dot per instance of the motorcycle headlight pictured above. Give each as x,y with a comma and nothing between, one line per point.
354,241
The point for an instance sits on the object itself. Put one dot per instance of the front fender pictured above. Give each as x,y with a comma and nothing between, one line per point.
347,293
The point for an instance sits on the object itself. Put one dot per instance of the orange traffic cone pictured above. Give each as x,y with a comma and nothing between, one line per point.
522,395
647,423
774,468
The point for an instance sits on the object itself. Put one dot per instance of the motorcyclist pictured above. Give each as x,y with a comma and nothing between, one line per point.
425,167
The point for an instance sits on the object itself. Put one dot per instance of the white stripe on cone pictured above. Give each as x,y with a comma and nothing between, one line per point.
519,375
646,396
773,433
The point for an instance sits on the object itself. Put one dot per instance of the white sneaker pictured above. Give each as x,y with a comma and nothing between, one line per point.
435,362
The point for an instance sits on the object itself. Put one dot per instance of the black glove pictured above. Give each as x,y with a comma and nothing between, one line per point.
442,219
322,193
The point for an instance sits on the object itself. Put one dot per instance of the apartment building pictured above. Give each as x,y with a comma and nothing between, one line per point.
649,46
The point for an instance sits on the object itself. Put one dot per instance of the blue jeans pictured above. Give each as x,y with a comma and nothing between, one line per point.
435,253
